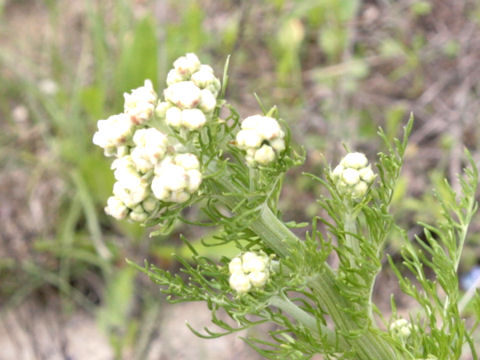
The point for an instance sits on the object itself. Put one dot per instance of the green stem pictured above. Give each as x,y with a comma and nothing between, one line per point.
368,345
350,227
308,321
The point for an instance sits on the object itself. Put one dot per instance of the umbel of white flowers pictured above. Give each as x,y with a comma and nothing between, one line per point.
191,95
353,175
150,169
250,270
401,328
262,138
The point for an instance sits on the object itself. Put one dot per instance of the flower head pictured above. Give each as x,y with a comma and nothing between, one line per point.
401,328
113,133
176,178
150,148
140,103
353,175
191,95
262,138
251,269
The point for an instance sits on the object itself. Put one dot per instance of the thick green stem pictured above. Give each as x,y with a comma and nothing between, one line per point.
368,345
307,320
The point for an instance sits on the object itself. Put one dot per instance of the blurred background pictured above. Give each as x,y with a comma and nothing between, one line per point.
337,69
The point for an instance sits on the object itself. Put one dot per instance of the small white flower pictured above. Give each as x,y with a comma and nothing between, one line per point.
140,104
187,161
262,138
252,262
173,117
161,109
248,138
113,133
258,278
240,283
203,78
249,270
184,94
359,189
367,174
130,193
265,155
150,204
193,119
116,208
151,146
350,176
174,76
278,144
354,160
138,214
176,178
353,175
187,65
235,265
207,101
401,328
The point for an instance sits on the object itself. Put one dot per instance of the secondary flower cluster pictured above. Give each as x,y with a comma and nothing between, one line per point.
149,167
191,95
401,328
262,138
249,270
353,175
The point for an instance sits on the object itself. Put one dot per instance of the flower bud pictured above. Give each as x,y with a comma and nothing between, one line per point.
138,214
258,278
184,94
113,133
207,101
176,178
353,175
262,138
265,155
173,117
240,282
161,109
249,270
174,76
401,328
254,262
116,208
151,146
187,65
354,160
193,119
235,265
139,105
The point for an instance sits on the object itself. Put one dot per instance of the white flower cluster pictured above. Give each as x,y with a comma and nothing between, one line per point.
149,167
131,194
401,328
249,270
353,175
191,95
262,138
140,104
114,134
176,178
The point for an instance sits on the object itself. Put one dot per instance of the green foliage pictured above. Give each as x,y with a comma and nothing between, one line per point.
138,58
440,250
